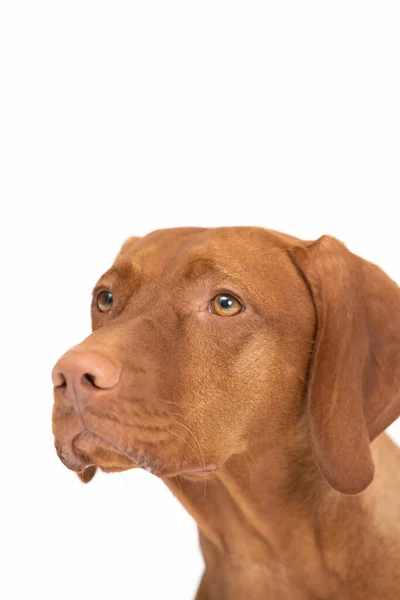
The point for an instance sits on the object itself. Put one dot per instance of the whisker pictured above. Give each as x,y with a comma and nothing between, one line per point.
191,433
197,442
181,438
202,455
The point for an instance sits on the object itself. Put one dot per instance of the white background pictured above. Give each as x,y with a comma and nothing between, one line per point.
118,118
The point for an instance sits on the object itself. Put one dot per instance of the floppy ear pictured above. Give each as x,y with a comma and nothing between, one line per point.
354,381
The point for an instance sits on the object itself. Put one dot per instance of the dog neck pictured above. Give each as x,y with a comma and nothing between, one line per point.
269,516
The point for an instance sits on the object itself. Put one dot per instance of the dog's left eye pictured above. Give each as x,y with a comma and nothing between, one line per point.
104,300
225,305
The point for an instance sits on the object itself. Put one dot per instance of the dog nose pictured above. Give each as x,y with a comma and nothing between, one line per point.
85,372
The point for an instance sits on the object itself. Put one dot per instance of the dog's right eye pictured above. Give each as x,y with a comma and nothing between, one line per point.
104,301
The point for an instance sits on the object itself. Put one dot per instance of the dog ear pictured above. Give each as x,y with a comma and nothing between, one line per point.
354,381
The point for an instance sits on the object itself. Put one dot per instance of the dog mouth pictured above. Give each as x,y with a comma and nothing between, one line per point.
203,471
86,451
83,444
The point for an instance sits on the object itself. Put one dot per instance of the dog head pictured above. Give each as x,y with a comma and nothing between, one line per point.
210,342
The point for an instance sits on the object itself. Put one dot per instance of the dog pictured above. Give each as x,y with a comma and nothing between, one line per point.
255,373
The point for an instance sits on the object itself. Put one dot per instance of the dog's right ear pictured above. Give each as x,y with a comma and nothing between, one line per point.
354,381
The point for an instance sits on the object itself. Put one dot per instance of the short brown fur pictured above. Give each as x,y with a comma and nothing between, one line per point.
287,401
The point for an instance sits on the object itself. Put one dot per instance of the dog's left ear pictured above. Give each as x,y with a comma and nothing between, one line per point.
354,381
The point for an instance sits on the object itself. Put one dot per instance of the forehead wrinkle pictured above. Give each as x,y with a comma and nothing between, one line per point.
199,268
253,282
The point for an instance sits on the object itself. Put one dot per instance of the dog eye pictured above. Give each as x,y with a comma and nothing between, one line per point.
225,305
104,301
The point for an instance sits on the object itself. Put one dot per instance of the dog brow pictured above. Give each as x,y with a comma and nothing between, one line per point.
123,269
200,267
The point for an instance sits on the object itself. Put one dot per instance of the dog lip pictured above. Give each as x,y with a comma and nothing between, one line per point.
72,460
200,471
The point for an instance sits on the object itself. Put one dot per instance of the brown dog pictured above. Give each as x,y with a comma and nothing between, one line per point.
250,370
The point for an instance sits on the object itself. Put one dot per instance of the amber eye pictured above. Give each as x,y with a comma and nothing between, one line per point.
225,305
104,300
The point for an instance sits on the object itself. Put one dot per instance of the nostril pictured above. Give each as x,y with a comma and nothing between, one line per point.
90,378
85,371
59,380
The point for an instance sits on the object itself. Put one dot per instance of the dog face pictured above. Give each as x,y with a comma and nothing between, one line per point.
200,348
210,342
